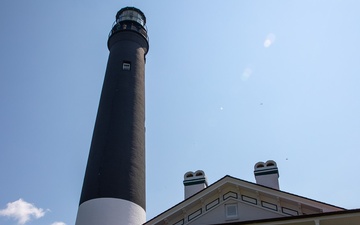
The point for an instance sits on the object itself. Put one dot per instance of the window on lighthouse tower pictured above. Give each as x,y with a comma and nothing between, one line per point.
126,65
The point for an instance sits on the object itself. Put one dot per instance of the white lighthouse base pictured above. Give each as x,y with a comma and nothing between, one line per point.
110,211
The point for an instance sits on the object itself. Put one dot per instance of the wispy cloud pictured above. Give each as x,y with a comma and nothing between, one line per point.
270,39
58,223
246,73
22,211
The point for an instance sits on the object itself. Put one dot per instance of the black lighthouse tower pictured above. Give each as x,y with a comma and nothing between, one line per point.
114,185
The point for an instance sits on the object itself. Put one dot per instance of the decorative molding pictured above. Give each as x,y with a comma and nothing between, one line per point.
195,214
180,222
269,205
230,194
266,172
195,181
290,212
249,199
258,195
212,204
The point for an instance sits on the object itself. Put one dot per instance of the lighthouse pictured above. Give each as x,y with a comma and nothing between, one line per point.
113,191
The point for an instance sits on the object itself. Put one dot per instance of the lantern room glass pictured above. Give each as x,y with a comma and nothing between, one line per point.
131,15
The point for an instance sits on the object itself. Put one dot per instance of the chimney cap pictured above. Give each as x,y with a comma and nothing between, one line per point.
267,165
194,175
191,178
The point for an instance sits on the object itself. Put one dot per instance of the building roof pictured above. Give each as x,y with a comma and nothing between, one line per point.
268,203
348,217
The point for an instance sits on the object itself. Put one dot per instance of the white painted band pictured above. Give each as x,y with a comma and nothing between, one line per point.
110,211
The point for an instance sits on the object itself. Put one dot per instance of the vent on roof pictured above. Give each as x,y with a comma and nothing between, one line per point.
231,211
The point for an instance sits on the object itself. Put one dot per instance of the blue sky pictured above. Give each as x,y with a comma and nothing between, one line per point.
228,84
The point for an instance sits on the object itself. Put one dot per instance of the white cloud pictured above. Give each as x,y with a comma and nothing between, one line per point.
270,39
22,211
58,223
246,74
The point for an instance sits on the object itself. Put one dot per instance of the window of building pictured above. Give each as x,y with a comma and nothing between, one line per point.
231,211
126,66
